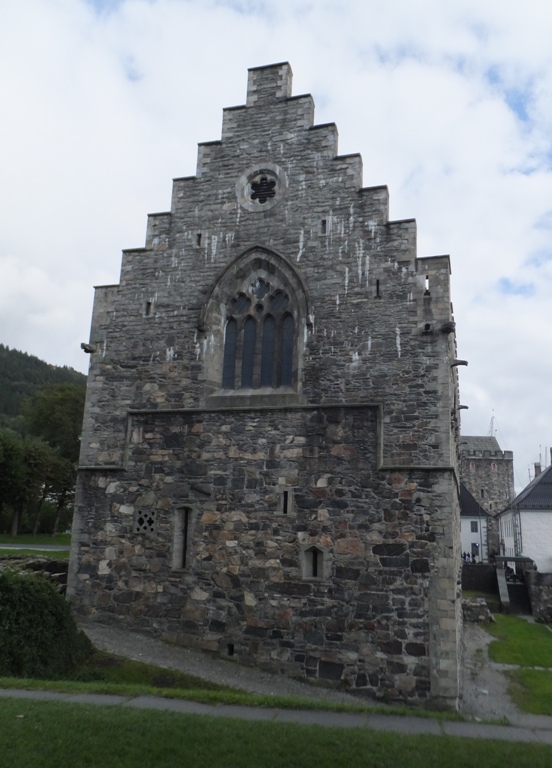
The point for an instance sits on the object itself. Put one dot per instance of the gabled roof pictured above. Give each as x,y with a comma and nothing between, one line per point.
472,443
538,494
469,506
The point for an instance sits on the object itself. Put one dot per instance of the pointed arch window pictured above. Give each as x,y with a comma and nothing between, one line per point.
260,339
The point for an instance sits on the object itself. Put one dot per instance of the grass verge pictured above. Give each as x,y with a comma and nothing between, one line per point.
109,674
531,690
53,733
520,642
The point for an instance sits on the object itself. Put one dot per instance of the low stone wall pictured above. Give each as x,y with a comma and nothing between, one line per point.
53,570
476,610
539,586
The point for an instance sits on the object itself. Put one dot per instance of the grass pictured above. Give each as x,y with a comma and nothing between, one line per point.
109,674
520,642
531,690
526,645
49,734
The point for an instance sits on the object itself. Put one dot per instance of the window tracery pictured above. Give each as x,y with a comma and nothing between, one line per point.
260,334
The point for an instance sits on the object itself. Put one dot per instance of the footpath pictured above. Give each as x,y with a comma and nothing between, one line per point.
522,727
531,728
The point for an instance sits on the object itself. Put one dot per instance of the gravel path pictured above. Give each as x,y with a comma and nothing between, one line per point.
485,685
484,682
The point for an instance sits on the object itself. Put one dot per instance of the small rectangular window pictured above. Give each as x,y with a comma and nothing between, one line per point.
474,526
286,506
323,226
148,308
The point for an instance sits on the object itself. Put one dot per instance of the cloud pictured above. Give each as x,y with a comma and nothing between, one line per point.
449,104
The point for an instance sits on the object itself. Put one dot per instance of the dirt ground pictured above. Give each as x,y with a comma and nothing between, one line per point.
484,683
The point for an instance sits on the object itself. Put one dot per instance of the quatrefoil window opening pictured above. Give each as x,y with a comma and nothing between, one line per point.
259,340
144,522
263,188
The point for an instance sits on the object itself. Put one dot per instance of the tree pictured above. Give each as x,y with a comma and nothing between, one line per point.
12,471
55,415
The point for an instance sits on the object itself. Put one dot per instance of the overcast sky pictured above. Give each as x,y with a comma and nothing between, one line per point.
449,103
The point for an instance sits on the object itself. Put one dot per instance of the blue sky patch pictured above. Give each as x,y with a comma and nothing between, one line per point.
509,288
105,6
518,97
539,258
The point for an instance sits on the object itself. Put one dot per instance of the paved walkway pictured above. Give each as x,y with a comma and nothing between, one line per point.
532,729
38,547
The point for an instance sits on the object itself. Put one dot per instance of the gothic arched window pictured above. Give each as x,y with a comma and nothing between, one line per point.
259,340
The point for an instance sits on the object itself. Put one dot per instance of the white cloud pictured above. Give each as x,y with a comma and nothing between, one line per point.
449,104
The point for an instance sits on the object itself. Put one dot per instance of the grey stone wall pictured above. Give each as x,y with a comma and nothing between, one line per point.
539,586
363,439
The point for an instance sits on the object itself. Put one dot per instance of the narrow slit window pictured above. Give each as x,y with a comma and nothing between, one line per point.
199,238
323,226
378,289
186,514
315,554
285,502
148,307
182,538
313,563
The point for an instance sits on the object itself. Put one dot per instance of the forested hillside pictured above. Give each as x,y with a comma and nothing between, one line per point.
22,376
41,409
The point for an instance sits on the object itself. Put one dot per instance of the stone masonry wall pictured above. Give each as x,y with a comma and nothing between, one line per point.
365,623
363,438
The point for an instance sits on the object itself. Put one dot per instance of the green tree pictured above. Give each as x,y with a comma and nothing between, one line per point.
55,415
12,471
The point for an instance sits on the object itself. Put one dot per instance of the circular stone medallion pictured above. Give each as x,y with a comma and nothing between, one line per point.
261,187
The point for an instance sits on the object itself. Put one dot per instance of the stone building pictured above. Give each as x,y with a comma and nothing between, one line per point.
269,456
488,473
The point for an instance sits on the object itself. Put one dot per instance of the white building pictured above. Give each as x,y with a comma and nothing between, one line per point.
473,526
526,524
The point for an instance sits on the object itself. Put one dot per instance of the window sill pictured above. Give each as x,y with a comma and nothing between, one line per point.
253,398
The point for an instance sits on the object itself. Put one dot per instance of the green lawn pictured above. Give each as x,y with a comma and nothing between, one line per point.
531,690
50,734
520,642
528,645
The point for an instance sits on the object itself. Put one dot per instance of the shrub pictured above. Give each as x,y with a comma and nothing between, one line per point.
38,634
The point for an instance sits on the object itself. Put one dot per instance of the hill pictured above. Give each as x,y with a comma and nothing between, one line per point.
23,376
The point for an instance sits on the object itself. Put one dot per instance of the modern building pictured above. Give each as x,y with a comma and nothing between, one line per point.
473,527
526,524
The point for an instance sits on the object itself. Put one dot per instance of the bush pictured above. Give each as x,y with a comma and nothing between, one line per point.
38,634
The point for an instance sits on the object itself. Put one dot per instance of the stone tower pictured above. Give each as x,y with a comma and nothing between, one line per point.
268,465
488,473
